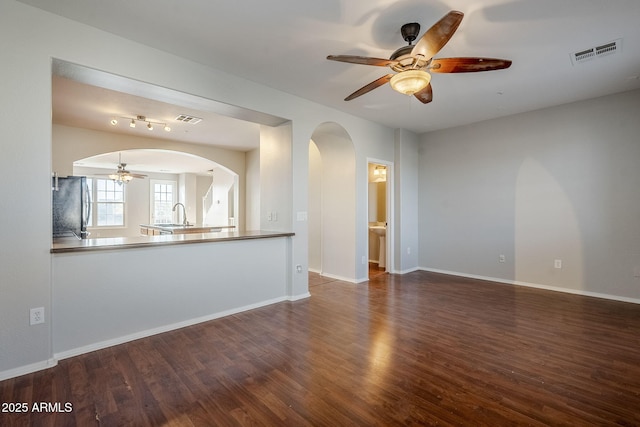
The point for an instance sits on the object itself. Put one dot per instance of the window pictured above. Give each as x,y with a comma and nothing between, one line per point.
163,196
107,203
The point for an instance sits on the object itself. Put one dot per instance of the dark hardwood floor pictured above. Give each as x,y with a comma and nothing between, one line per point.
375,271
417,349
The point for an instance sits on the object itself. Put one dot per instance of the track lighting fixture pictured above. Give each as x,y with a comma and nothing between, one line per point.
134,120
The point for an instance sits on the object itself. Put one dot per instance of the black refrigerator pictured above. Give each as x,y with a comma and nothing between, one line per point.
71,205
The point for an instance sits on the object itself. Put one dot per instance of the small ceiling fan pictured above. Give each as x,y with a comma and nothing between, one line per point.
122,175
412,62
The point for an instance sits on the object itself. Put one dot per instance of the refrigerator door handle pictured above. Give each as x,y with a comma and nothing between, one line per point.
86,211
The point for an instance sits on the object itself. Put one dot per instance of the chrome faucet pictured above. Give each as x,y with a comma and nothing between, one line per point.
184,213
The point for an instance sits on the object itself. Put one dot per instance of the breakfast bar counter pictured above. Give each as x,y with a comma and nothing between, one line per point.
111,243
106,291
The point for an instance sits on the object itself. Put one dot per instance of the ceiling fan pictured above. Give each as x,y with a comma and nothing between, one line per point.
412,62
122,175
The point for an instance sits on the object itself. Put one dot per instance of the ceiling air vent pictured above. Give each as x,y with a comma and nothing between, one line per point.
188,119
596,52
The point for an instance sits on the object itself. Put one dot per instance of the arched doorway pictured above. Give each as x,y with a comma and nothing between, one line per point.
332,203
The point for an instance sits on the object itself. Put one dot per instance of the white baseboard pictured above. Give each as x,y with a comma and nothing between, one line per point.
535,285
409,270
34,367
336,277
166,328
299,297
27,369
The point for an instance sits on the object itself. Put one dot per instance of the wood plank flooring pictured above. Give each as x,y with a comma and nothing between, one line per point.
416,349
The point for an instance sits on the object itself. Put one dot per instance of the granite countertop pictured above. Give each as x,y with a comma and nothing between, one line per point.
62,245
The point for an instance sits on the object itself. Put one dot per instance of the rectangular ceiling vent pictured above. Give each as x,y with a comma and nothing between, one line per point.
596,52
188,119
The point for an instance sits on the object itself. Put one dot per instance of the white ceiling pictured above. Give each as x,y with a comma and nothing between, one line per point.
91,107
283,44
86,106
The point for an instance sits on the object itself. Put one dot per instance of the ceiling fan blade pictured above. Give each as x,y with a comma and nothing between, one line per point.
425,95
438,35
123,173
371,86
468,65
363,60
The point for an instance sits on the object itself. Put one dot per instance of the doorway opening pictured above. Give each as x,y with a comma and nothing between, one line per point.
379,217
332,206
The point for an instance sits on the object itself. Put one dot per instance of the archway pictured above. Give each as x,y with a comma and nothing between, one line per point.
207,190
332,203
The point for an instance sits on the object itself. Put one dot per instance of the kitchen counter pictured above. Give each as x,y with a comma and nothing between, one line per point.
157,229
63,245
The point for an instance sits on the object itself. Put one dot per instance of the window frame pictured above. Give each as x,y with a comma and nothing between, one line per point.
92,183
152,200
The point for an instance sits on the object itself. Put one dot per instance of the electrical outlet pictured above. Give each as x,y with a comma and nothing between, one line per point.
557,263
299,268
408,250
502,258
36,316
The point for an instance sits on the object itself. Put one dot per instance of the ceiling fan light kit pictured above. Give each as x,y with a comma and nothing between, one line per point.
122,175
120,178
412,62
411,81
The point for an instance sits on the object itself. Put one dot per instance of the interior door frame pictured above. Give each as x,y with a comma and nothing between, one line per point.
390,197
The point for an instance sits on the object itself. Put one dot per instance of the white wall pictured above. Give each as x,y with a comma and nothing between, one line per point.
29,39
275,177
559,183
71,144
202,186
252,198
160,298
222,203
407,223
25,262
188,197
315,208
336,239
